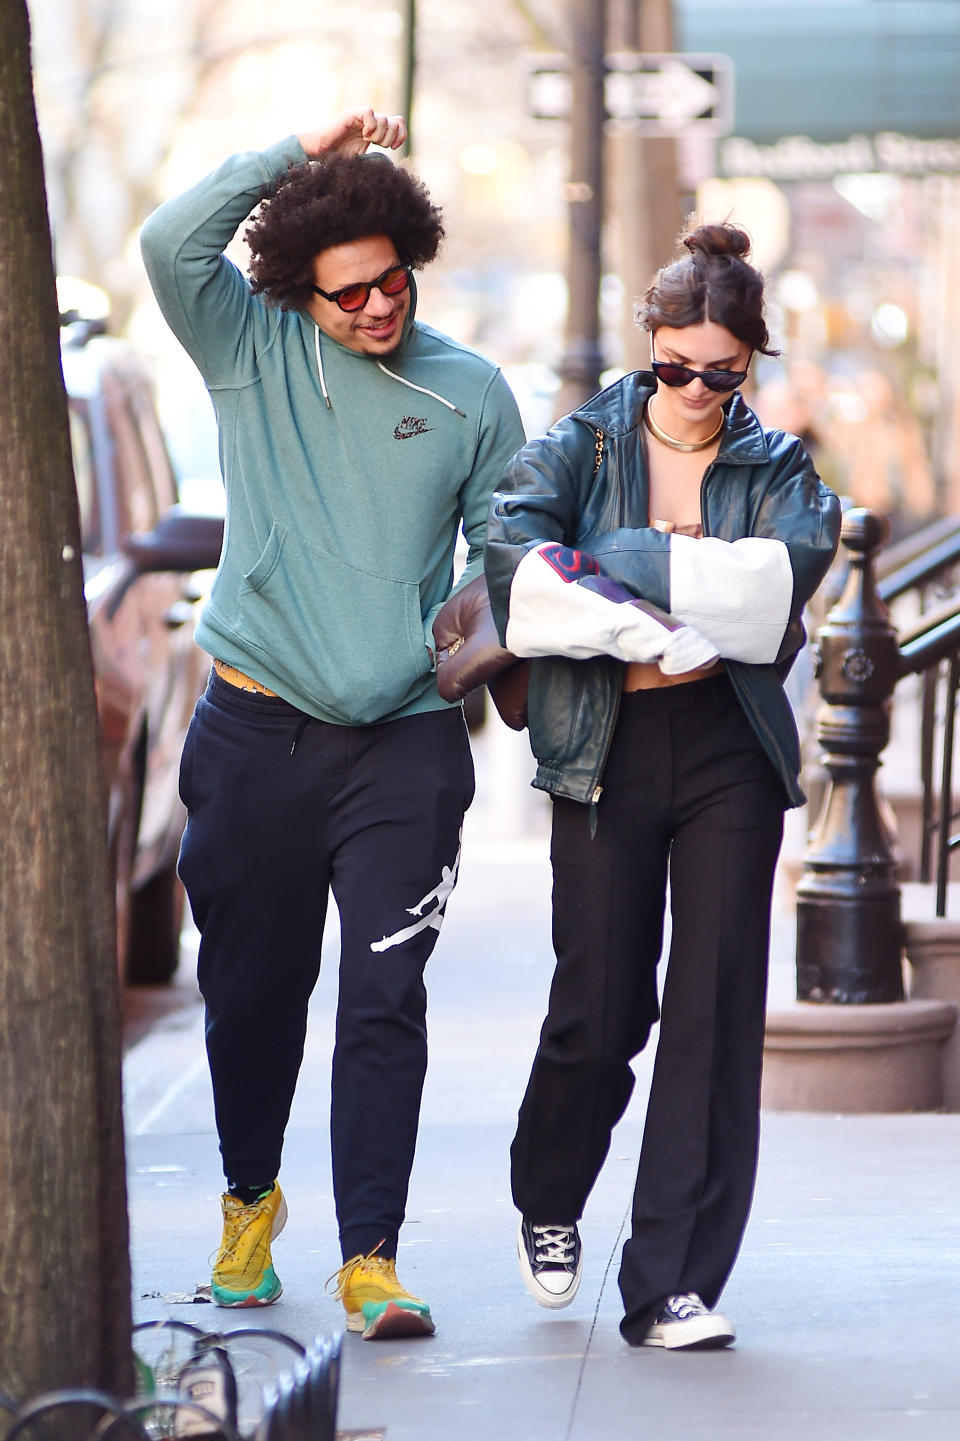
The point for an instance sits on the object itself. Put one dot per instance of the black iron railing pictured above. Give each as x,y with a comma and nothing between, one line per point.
921,562
931,649
926,566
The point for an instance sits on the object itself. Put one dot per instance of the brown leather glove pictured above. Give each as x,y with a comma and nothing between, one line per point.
508,691
469,654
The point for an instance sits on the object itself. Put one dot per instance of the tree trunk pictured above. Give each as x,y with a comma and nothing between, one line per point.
64,1263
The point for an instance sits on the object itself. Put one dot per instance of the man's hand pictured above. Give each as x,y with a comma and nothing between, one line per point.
353,132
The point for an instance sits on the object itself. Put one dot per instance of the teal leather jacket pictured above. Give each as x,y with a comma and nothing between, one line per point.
585,485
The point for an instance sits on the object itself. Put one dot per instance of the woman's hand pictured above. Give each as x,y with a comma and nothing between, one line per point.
352,132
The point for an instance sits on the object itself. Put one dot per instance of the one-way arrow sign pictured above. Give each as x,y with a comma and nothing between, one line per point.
654,94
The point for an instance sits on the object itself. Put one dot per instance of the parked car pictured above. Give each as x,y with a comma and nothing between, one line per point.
143,562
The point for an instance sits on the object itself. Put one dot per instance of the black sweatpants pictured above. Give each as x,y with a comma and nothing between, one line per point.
282,808
687,789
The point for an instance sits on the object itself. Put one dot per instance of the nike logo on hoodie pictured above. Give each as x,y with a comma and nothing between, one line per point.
410,426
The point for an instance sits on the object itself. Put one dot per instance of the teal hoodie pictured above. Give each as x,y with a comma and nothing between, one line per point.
346,478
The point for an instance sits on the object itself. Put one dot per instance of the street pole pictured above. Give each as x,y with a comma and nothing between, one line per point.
583,359
642,171
409,70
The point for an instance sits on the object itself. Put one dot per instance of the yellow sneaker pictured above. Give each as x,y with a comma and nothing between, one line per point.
375,1302
243,1273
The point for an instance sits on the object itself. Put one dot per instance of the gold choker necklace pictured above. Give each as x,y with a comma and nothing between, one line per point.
688,445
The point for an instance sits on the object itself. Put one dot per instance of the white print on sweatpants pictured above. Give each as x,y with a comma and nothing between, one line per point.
434,918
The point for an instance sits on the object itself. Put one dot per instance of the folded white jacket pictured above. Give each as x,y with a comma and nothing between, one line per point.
561,604
737,593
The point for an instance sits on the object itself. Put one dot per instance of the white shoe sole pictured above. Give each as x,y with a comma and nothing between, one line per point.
700,1333
540,1294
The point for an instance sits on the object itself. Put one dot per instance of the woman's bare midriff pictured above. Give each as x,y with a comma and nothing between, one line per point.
651,677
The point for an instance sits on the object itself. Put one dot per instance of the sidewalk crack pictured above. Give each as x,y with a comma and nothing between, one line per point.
593,1326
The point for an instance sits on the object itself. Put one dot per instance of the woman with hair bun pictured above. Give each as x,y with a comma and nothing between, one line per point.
653,554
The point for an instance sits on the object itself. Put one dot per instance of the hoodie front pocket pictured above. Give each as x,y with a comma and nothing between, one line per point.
269,558
353,639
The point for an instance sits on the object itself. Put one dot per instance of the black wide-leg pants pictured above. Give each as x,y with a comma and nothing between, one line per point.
687,791
281,809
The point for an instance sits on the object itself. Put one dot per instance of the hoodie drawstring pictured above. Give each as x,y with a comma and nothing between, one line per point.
323,383
422,389
398,378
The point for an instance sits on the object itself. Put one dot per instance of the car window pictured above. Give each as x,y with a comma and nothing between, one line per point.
91,525
132,466
155,447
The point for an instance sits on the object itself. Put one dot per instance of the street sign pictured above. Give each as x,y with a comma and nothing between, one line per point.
682,94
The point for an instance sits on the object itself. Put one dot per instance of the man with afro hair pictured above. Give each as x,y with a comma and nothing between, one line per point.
355,441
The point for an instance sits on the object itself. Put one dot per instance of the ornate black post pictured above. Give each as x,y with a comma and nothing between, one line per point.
848,901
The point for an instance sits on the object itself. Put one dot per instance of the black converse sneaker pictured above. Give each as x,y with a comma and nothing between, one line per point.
684,1323
550,1262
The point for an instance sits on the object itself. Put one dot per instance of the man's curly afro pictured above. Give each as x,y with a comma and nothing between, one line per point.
332,201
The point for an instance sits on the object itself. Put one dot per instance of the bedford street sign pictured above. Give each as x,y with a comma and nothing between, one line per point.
654,94
797,157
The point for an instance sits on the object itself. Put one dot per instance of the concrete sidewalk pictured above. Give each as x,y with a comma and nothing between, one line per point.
846,1297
